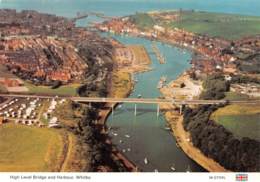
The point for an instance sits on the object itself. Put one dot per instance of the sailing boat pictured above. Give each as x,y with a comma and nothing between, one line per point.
173,167
188,169
145,161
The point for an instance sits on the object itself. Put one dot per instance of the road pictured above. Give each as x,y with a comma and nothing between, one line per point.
136,100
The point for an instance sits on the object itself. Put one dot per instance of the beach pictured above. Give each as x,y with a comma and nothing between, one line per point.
175,119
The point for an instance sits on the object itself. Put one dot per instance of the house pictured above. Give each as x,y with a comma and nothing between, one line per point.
2,120
159,28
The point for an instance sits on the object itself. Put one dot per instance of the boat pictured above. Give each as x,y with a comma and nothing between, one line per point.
128,149
127,136
145,161
124,150
120,106
173,168
160,85
115,134
188,169
156,170
167,128
120,141
177,145
139,96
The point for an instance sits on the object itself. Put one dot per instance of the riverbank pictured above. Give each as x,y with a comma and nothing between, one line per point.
175,120
119,80
121,86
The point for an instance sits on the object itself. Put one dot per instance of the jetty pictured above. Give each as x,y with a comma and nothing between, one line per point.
80,16
162,81
158,54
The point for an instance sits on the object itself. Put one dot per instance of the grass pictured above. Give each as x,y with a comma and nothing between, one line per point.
121,84
25,149
76,161
70,90
241,120
141,54
236,96
3,89
5,73
227,26
67,115
142,20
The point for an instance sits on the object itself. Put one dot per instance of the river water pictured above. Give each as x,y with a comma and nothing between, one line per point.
148,138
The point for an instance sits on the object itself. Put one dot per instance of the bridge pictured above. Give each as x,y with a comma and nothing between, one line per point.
136,101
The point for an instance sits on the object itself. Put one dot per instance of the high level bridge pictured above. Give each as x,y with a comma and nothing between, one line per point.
136,101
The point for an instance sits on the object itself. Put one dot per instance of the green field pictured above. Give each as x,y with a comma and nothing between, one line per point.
5,73
241,120
217,24
236,96
142,20
70,90
24,148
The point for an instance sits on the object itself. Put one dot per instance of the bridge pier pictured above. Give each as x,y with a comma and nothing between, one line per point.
112,110
158,110
135,109
89,105
181,109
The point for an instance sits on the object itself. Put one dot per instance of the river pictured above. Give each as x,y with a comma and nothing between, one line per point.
147,136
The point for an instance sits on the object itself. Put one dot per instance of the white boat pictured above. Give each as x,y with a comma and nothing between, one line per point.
115,134
120,106
173,168
167,128
124,150
188,169
120,141
145,161
156,170
127,136
139,96
128,149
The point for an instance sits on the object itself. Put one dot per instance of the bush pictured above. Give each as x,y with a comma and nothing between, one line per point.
220,144
56,84
215,87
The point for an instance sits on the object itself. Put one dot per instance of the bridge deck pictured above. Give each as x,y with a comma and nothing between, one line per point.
137,100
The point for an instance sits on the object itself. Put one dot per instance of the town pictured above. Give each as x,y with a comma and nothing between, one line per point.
64,88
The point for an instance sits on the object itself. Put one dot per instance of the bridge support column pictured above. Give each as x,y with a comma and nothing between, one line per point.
158,110
89,104
112,110
135,109
181,109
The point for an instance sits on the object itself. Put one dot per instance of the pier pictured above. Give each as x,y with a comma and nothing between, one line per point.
82,15
158,54
79,16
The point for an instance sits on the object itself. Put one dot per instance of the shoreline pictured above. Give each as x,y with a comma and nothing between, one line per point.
104,114
142,64
175,119
191,151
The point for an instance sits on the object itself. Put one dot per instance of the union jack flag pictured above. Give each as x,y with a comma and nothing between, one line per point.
241,177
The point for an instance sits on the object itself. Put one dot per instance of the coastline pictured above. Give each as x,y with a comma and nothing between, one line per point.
175,119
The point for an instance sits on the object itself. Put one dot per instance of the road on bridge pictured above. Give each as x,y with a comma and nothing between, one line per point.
136,100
